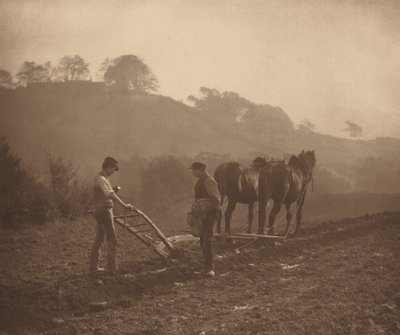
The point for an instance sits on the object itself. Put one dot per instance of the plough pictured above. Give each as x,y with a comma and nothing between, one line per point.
145,230
148,233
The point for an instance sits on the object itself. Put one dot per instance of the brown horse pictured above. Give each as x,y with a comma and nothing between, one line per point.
240,185
284,184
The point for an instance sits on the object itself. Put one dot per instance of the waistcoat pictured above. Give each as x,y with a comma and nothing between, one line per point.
200,191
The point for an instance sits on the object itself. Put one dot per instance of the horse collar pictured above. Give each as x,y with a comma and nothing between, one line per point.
305,168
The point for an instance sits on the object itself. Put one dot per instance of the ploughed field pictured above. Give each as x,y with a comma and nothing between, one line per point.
338,277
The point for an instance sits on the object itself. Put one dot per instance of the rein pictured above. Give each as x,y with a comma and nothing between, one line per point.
306,172
312,183
310,178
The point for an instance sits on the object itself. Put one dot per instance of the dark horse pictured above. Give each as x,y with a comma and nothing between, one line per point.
284,184
240,185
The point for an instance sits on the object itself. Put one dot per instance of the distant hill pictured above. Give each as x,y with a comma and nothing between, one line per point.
82,122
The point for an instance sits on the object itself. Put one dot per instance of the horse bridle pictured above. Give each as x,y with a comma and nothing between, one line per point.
308,174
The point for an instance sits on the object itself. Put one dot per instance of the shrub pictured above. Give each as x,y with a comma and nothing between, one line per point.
70,196
22,195
165,182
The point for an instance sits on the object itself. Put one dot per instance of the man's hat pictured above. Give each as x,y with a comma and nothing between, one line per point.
109,161
198,166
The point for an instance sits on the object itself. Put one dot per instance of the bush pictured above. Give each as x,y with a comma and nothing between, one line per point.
22,195
70,196
25,198
166,182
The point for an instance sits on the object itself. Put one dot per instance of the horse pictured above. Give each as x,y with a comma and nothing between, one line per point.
240,185
284,184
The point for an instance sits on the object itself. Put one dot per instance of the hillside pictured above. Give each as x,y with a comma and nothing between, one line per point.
86,125
83,123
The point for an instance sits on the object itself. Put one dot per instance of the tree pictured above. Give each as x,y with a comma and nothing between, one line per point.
103,67
353,129
70,196
33,73
165,183
22,195
129,73
211,100
72,68
5,79
307,126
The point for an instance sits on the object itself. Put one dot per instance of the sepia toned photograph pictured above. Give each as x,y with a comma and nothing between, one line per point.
179,167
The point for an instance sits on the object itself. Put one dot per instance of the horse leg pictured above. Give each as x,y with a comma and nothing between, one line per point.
262,214
219,217
288,217
228,215
300,204
274,211
250,217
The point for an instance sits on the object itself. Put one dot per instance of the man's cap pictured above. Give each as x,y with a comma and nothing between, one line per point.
198,166
111,161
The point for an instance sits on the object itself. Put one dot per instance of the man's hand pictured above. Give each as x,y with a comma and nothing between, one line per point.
130,207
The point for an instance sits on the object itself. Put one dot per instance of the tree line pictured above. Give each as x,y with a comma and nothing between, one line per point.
62,193
126,73
159,185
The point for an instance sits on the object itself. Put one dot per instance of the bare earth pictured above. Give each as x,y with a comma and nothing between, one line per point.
339,277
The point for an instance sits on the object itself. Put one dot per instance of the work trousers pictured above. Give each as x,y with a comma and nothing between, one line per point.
206,239
105,229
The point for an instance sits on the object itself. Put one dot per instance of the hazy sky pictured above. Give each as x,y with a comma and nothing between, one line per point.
327,61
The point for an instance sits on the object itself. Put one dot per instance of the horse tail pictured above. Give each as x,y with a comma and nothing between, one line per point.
264,194
221,177
265,185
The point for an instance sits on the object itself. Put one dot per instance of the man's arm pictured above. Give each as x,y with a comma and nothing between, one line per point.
116,198
109,192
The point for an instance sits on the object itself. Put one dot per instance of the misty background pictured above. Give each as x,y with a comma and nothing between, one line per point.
160,84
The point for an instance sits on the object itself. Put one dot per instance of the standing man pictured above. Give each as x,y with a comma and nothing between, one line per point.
207,204
104,197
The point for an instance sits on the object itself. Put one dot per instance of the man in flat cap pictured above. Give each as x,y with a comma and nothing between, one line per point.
104,197
207,203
